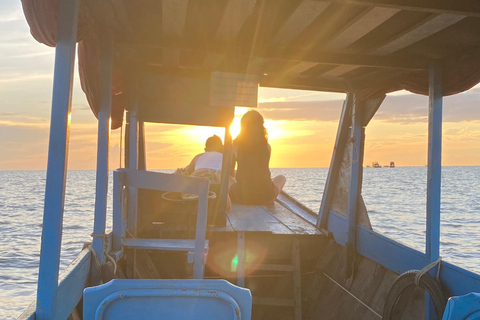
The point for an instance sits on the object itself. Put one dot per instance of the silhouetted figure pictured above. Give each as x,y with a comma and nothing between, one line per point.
254,185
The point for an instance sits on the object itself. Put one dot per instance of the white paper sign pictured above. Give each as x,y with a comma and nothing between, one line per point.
233,89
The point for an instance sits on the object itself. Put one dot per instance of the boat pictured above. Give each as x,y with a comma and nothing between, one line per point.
376,165
191,62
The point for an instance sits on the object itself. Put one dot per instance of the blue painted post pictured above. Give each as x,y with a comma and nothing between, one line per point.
133,160
200,232
118,219
355,183
57,158
142,157
103,145
226,164
434,172
241,259
343,133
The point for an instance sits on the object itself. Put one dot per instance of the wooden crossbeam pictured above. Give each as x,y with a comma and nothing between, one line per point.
234,17
366,22
174,13
300,19
418,32
469,8
428,28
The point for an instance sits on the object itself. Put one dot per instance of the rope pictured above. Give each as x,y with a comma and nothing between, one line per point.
103,236
97,262
427,268
109,257
98,266
360,301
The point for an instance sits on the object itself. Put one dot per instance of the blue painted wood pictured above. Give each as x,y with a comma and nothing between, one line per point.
241,259
132,212
177,183
434,173
385,251
162,181
73,280
103,145
356,154
142,158
167,299
119,219
337,156
29,313
226,166
458,281
201,229
57,158
466,307
162,244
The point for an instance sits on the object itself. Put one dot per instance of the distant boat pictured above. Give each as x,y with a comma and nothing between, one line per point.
376,165
392,164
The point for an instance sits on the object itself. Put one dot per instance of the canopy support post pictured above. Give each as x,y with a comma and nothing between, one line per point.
356,159
434,172
225,177
142,158
67,25
335,164
103,145
133,137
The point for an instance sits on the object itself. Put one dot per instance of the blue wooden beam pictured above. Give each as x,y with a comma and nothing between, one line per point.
142,157
400,258
226,166
434,173
119,222
67,22
343,133
103,144
356,156
133,156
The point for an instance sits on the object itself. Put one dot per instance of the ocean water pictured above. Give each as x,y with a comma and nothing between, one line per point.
395,199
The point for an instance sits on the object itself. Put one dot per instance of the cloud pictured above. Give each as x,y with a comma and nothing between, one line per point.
414,108
19,124
402,109
9,78
302,110
10,12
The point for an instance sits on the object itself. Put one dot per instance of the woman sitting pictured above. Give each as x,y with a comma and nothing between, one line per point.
251,150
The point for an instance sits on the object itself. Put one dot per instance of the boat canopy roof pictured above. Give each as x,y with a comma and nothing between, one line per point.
370,47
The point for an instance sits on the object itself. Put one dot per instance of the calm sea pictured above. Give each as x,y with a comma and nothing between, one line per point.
395,198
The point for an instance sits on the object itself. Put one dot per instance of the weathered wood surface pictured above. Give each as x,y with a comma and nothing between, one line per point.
328,296
274,218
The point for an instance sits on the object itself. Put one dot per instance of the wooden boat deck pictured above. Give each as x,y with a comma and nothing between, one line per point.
274,218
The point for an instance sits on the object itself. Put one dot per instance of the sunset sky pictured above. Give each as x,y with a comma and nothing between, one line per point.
302,124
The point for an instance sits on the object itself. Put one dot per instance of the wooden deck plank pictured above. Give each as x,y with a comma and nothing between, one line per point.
246,218
292,221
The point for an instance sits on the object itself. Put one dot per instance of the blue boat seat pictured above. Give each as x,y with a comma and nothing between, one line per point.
127,178
167,299
465,307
